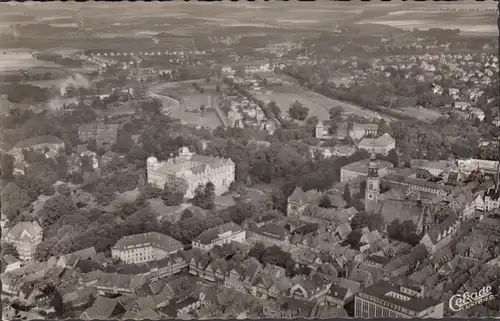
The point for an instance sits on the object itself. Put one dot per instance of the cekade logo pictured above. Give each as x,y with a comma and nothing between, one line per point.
467,300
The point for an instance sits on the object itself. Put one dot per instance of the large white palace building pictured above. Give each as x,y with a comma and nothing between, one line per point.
189,170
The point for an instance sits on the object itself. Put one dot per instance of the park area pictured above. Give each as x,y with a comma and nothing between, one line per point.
423,114
182,100
318,105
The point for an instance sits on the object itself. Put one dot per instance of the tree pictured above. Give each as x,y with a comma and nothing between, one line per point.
336,112
105,193
76,178
7,166
311,124
199,196
359,221
68,145
404,232
298,111
92,145
54,208
209,194
141,221
393,158
325,202
258,251
186,214
347,194
48,189
354,238
362,189
274,109
123,141
171,197
9,249
14,200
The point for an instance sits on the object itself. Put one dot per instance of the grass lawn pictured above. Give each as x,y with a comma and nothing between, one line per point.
318,104
423,114
183,101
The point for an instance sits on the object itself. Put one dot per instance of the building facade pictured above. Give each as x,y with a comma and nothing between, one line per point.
220,235
372,192
359,131
100,131
48,145
145,247
441,235
360,169
25,236
388,300
381,145
188,170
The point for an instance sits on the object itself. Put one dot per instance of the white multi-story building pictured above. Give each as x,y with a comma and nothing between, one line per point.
145,247
441,235
381,145
25,236
219,235
360,168
189,170
433,167
389,300
467,166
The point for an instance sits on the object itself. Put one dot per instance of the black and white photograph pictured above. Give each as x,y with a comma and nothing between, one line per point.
249,159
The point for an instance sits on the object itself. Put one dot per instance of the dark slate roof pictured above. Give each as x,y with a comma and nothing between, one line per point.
380,290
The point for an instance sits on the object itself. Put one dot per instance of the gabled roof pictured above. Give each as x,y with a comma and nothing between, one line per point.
270,230
401,210
25,229
46,139
439,229
83,254
383,140
101,309
299,195
158,240
353,286
212,234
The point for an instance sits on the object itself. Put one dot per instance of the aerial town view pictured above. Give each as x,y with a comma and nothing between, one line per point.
251,160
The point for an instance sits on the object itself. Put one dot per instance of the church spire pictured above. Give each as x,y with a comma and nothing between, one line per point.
373,166
372,192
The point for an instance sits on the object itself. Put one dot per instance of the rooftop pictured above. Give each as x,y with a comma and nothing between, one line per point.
383,140
187,161
362,166
155,239
382,289
212,234
30,229
46,139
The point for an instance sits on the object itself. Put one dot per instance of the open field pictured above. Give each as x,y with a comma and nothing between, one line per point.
14,60
423,114
183,101
469,22
318,104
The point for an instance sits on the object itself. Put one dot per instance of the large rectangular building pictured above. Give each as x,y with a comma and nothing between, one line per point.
219,235
145,247
360,169
189,170
391,300
100,131
381,145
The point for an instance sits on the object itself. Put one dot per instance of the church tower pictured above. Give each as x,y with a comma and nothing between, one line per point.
372,192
